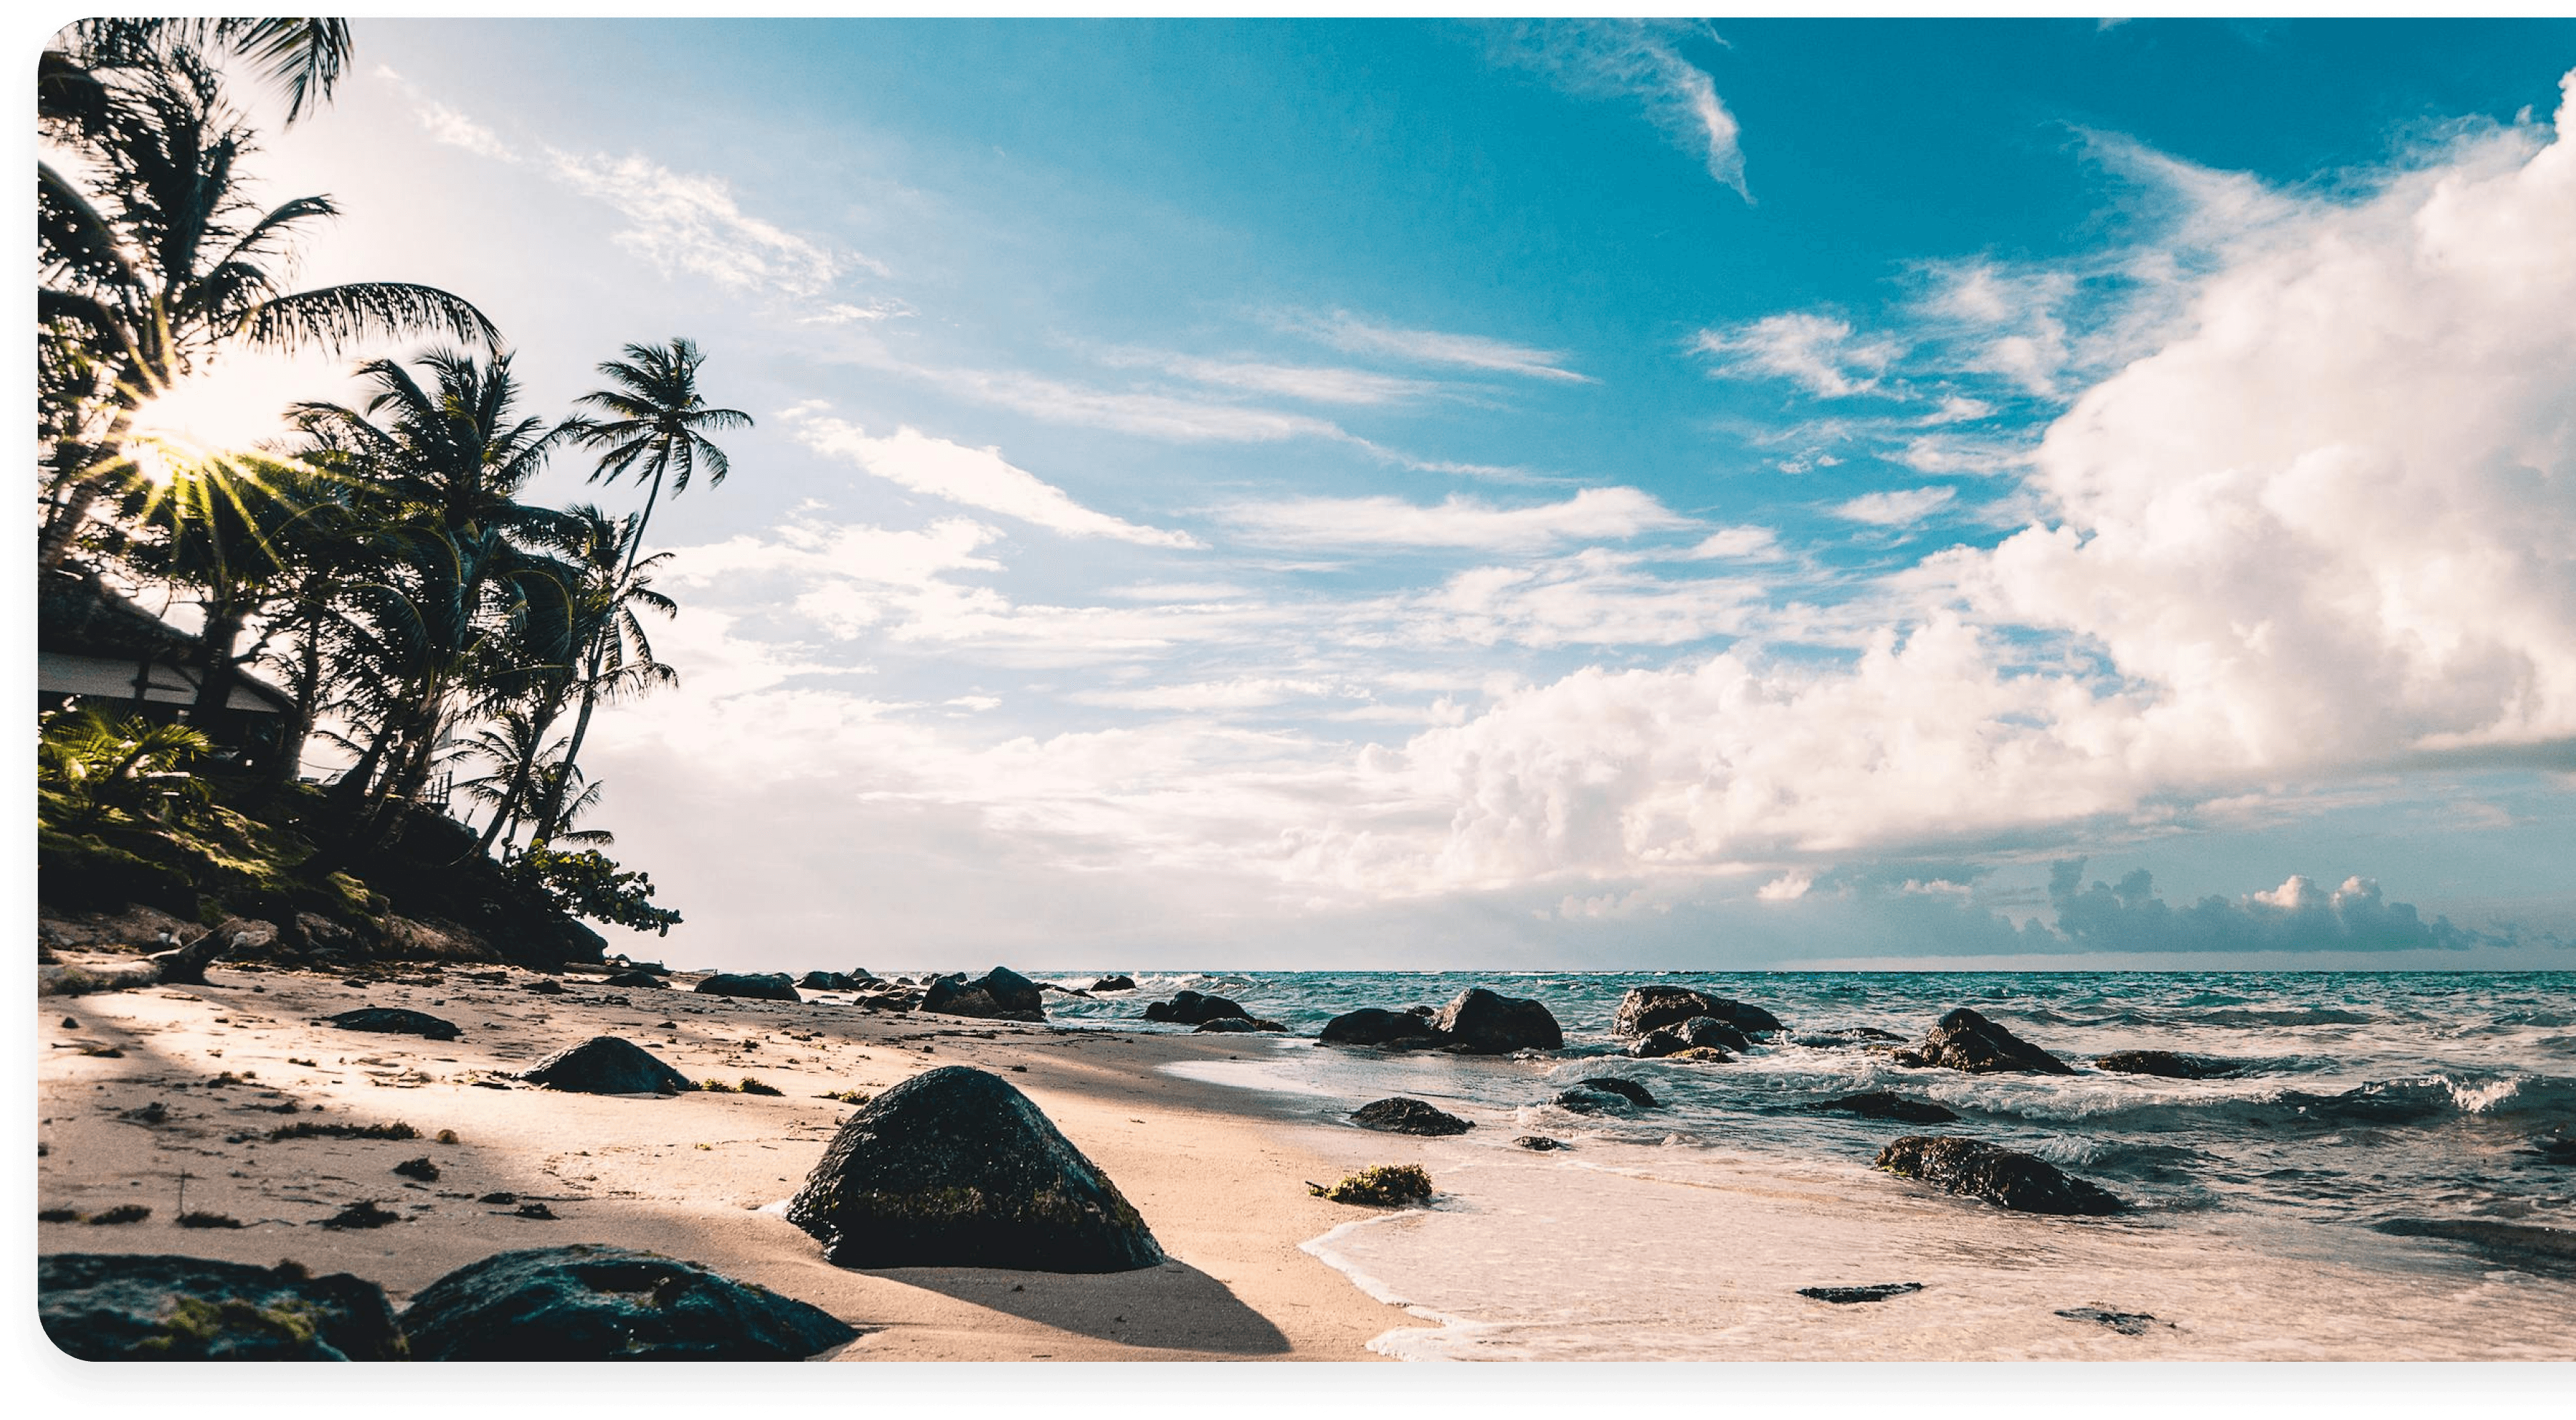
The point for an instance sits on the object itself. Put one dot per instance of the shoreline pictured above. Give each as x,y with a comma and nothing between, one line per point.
1218,1175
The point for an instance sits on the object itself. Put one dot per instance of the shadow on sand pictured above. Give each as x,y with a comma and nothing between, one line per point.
1174,1306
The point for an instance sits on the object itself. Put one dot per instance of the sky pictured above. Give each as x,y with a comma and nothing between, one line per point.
1732,495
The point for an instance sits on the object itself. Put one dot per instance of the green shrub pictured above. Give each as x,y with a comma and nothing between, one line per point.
1384,1186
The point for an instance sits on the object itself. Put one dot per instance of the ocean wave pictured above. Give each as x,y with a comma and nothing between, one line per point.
2307,1016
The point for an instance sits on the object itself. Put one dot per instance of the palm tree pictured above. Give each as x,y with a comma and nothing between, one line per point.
653,425
456,452
157,260
302,56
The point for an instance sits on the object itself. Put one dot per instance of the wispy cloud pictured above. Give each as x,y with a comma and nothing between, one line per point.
1816,351
1637,60
1897,508
690,222
978,478
844,313
1318,384
1592,514
1344,331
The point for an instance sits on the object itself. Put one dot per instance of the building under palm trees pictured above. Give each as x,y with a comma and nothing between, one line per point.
96,647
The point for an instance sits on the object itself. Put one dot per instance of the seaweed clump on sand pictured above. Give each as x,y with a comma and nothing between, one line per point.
310,1130
1381,1186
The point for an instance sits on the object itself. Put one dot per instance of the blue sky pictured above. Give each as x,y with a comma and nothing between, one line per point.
1423,494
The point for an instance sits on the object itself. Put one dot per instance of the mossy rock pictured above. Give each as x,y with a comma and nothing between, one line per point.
592,1303
152,1307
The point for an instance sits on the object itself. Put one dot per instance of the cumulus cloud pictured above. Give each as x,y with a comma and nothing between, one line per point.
2297,916
1815,351
1592,513
1344,331
979,478
1640,61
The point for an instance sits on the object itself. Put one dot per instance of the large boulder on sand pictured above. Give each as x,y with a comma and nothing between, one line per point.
2006,1177
752,985
595,1303
1189,1008
999,995
1650,1008
608,1065
394,1020
156,1307
1371,1026
1480,1022
1697,1033
1965,1040
1403,1115
954,1168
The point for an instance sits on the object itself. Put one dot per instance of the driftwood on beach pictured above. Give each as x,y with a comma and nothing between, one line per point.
180,966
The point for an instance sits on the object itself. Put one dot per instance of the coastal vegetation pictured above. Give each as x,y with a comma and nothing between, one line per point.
374,583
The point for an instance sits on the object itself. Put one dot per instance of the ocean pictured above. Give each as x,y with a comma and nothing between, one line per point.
2394,1157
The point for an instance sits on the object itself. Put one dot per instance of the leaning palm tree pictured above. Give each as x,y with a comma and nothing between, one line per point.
653,424
154,260
455,451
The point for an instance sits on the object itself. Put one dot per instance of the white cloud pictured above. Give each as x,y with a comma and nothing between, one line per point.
1788,887
1344,331
1595,597
1896,508
843,313
1316,384
1239,693
1815,351
1637,60
978,478
448,126
1593,513
690,222
1741,544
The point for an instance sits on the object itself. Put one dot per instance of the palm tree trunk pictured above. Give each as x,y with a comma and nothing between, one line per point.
547,821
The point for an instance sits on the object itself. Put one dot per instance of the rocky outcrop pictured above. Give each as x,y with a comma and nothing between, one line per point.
1371,1026
156,1307
1650,1008
2167,1064
1114,983
955,1168
1403,1115
608,1065
754,986
998,995
1481,1022
591,1303
1965,1040
1189,1008
1884,1104
1697,1033
395,1020
1232,1025
2005,1177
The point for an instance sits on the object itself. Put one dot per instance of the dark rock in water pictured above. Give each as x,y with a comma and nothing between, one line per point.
1699,1032
2556,1244
999,995
2556,1151
591,1303
1482,1022
2125,1323
2006,1177
1189,1008
1648,1008
1371,1026
1628,1090
1540,1143
1402,1115
1236,1025
636,978
1965,1040
157,1307
2165,1063
1844,1037
1875,1292
1114,983
1884,1104
1059,986
393,1020
954,1168
827,981
1591,1102
608,1065
756,986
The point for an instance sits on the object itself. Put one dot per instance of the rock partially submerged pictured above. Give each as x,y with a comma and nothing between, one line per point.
1965,1040
591,1303
1114,983
1885,1104
1605,1095
1697,1033
1481,1022
955,1168
2005,1177
1190,1008
1371,1026
2168,1064
1650,1008
2528,1239
751,985
394,1020
833,981
608,1065
1401,1114
157,1307
998,995
1235,1025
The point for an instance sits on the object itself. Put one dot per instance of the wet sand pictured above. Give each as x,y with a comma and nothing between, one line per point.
1219,1180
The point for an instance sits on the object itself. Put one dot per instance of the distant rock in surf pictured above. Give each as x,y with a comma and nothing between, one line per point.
1481,1022
1189,1008
608,1065
2005,1177
1236,1025
829,981
2556,1244
1114,983
1965,1040
394,1020
1649,1008
595,1303
1884,1104
998,995
1403,1115
1697,1033
756,986
2168,1064
1371,1026
955,1168
1628,1090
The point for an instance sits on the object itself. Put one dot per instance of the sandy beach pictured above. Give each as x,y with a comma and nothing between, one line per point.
1220,1183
